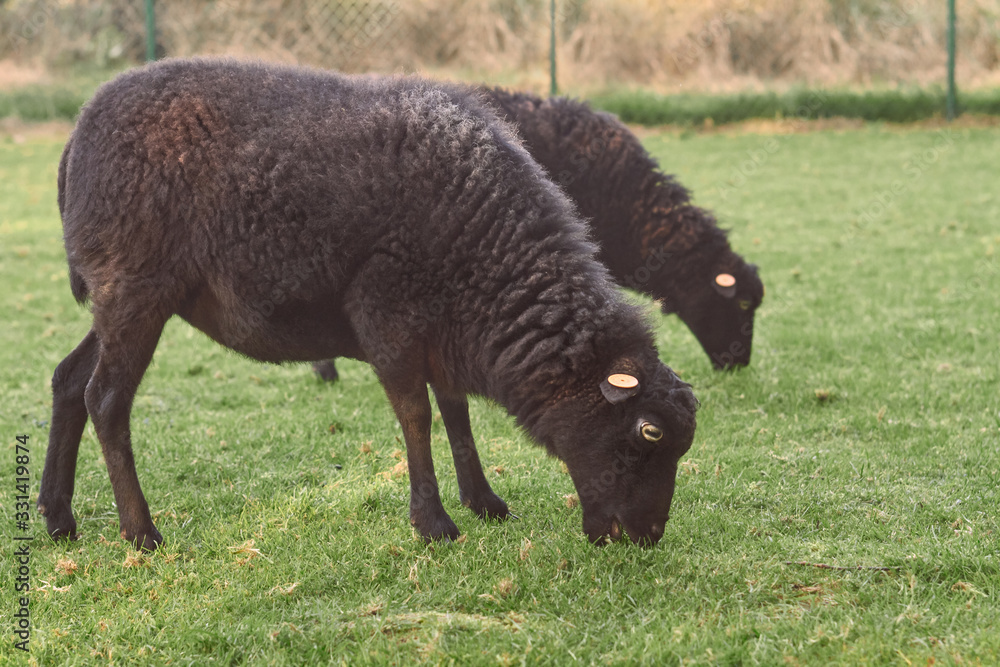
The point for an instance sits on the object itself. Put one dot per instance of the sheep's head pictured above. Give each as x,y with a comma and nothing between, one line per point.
718,306
621,443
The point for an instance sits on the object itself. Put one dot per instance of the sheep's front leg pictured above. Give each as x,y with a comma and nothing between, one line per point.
427,514
473,489
126,348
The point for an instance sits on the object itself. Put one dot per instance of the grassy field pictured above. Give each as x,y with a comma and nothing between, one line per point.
62,101
646,108
865,436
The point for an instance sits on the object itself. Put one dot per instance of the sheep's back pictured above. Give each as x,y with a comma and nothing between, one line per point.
245,171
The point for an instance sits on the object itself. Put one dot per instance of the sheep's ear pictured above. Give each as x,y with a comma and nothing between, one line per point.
618,387
725,284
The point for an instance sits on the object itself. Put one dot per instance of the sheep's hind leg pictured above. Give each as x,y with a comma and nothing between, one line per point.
326,369
126,350
474,491
427,514
69,416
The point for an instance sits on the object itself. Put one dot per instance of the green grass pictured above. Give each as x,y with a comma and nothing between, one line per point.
865,433
58,99
62,101
897,106
40,103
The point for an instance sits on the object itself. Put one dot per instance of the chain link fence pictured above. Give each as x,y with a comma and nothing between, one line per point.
665,44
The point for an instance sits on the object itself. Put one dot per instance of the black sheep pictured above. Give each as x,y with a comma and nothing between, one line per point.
649,234
297,215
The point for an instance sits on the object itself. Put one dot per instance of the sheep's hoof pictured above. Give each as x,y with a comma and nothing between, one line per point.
441,529
491,507
144,541
327,370
59,525
68,534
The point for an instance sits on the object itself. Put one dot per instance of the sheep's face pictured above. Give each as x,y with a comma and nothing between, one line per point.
719,309
622,453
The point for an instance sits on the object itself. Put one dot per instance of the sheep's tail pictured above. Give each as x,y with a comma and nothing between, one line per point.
76,282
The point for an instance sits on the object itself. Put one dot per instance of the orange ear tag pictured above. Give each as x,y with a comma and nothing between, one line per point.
622,381
725,280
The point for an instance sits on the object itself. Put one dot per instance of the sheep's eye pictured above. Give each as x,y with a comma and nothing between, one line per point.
650,432
744,304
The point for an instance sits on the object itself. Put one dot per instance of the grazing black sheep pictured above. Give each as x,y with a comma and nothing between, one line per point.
649,234
297,215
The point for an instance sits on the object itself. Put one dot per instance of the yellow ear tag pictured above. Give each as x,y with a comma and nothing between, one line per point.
725,280
622,381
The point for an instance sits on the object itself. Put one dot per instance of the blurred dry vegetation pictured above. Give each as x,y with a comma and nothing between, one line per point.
664,45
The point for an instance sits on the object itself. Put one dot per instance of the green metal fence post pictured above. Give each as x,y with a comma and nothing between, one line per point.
553,88
150,32
952,102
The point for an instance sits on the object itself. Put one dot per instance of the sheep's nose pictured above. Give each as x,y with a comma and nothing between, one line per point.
650,537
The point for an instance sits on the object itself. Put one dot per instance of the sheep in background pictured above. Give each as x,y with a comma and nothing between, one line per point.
649,234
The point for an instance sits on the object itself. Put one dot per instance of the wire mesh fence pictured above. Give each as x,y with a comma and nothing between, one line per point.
665,44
